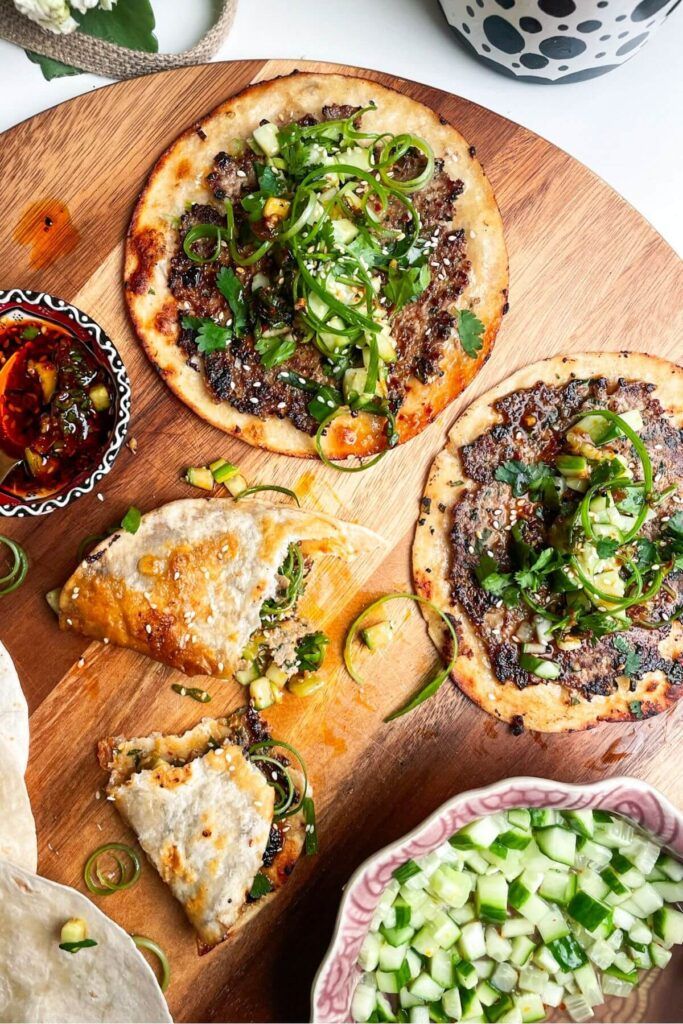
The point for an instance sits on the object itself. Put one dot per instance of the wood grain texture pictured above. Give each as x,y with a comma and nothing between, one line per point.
586,272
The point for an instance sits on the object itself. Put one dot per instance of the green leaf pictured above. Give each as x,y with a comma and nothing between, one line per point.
324,402
470,330
29,333
531,578
632,503
675,526
212,337
274,351
130,23
132,519
270,182
404,286
522,477
230,287
636,708
632,660
607,548
600,624
73,947
192,323
646,553
261,886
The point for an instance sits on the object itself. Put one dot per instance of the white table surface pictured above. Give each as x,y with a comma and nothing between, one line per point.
627,126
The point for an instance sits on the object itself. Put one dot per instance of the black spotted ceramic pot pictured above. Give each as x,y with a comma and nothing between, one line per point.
555,40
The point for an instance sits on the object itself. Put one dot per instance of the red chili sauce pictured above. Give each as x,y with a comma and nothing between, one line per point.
56,407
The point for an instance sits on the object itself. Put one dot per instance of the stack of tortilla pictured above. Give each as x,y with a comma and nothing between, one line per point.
39,981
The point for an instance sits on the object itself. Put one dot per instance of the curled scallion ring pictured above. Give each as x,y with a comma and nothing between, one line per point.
128,872
17,573
320,433
267,487
433,685
142,942
285,807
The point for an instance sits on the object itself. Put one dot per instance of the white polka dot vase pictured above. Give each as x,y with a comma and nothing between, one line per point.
555,40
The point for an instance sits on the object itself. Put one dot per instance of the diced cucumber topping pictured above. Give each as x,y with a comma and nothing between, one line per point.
517,914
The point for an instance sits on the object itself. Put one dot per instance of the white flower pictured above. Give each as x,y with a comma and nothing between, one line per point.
55,15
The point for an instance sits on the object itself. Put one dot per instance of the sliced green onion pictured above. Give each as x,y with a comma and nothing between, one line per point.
286,807
73,947
293,569
342,411
142,942
191,691
198,233
431,687
268,487
311,844
17,573
128,874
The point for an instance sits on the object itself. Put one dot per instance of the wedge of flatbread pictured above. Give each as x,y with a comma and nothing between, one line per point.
41,983
190,587
18,842
486,511
418,259
203,811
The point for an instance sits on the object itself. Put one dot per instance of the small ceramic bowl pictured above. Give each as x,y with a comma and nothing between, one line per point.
336,979
16,306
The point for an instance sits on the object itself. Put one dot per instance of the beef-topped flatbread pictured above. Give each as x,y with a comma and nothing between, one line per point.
221,811
319,248
551,529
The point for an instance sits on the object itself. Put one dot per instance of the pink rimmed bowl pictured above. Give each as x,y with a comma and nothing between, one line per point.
641,803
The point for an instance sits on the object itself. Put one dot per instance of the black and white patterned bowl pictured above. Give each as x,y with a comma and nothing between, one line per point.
19,304
555,40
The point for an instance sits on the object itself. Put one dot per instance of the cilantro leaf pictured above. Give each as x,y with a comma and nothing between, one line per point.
470,330
29,333
632,660
632,503
404,286
499,584
599,624
522,477
270,182
605,470
607,547
211,337
675,527
192,323
646,553
274,351
230,287
636,709
531,578
261,886
363,249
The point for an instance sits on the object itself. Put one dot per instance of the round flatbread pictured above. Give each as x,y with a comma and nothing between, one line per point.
18,843
161,289
507,423
39,982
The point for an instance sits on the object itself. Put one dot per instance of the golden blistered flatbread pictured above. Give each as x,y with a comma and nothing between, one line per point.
194,583
467,514
169,294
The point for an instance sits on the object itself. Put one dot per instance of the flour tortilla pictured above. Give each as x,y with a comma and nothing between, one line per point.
202,813
188,587
179,179
18,842
544,707
39,982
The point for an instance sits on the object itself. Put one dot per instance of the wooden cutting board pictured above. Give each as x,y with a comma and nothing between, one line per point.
587,272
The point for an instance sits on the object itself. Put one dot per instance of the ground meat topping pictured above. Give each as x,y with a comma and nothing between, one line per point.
236,374
533,426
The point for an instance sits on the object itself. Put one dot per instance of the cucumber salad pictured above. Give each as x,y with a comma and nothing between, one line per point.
517,914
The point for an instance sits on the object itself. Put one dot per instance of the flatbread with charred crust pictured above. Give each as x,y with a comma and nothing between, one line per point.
500,425
179,181
188,587
18,843
204,815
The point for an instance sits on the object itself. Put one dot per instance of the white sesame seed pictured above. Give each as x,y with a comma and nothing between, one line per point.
100,497
148,628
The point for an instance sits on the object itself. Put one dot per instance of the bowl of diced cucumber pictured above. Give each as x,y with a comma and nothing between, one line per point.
526,901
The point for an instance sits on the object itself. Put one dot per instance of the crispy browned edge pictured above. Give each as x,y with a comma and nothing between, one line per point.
360,435
278,874
544,707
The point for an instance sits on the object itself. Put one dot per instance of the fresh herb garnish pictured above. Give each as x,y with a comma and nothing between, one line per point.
633,661
261,886
201,696
404,286
274,351
470,330
132,519
29,333
230,287
522,476
607,547
310,651
210,336
636,708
